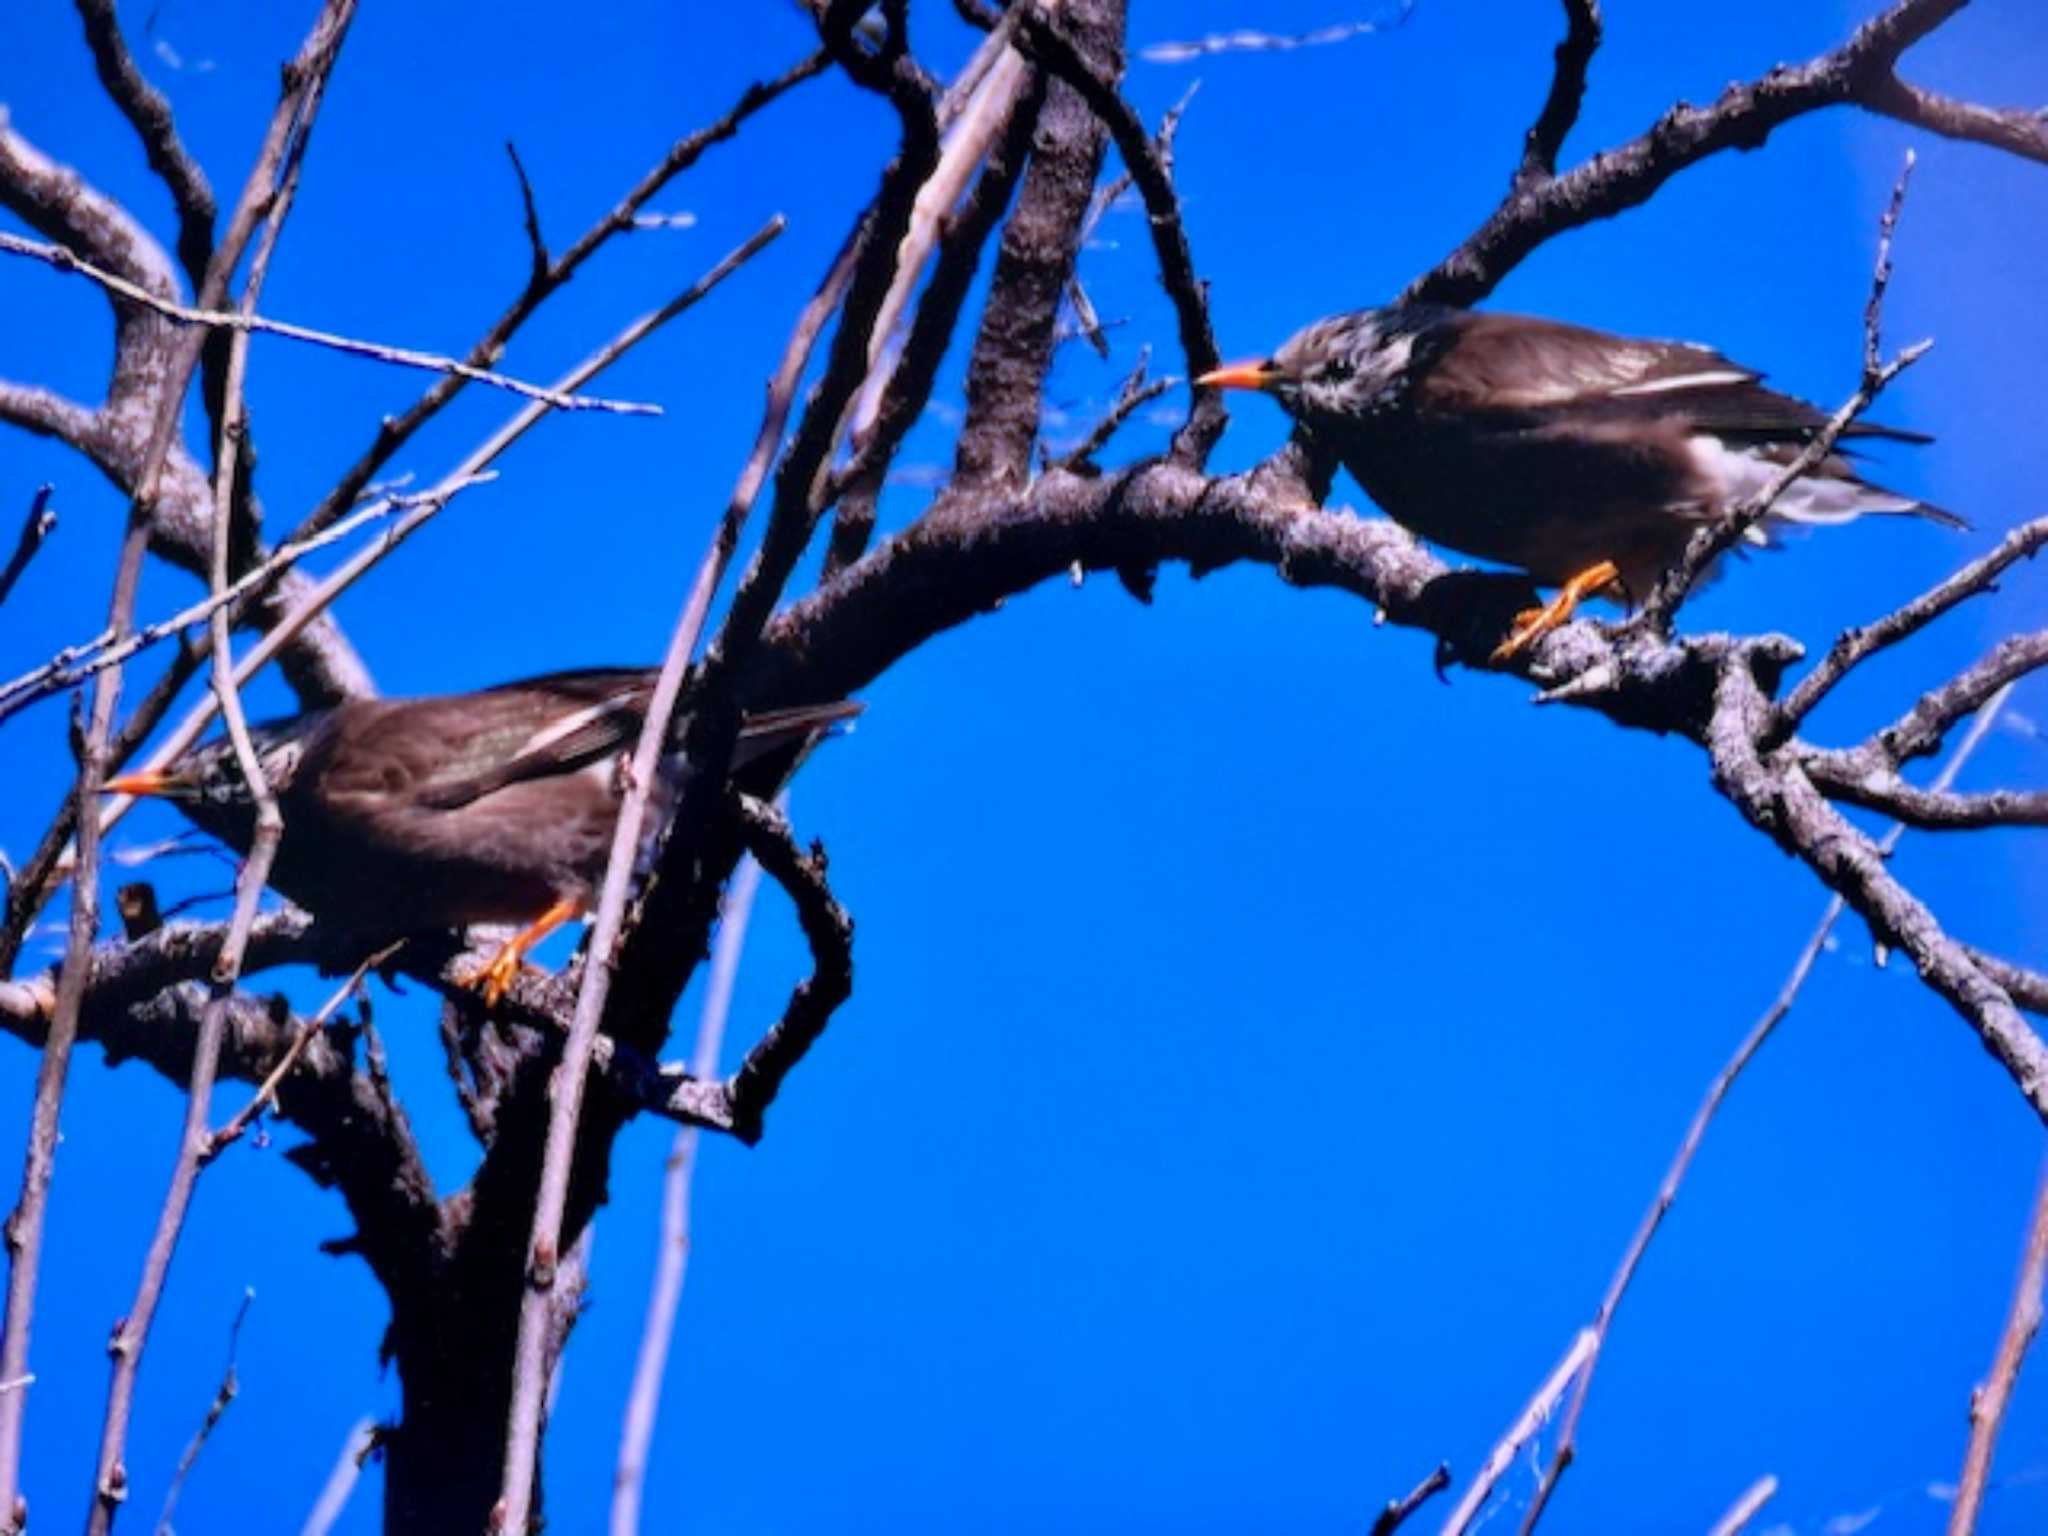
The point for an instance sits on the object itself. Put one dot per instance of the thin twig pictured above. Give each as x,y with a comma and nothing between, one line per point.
232,1129
1397,1511
230,1384
538,245
1133,395
394,432
1712,541
1744,1509
35,528
404,357
72,665
1527,1423
356,1447
1988,1402
672,1256
1854,646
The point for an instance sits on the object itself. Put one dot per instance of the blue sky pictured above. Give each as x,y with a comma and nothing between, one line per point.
1261,1051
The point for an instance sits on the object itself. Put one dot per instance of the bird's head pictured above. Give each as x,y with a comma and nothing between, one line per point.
207,783
1345,366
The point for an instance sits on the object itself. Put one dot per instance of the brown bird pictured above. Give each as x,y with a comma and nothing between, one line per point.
404,815
1583,458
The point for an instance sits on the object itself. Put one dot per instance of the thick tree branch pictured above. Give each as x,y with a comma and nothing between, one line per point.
1148,169
1013,346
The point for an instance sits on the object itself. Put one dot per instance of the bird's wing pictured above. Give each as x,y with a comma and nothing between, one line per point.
443,753
1519,362
540,728
1523,365
592,716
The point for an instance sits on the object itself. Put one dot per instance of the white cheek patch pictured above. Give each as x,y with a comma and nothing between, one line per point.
1391,361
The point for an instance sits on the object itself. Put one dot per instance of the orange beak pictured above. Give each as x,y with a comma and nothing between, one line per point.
1254,375
154,782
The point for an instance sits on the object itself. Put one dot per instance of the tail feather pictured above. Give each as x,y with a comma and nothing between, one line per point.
773,729
1828,500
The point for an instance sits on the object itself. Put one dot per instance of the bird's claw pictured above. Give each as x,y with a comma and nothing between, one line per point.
1532,624
497,975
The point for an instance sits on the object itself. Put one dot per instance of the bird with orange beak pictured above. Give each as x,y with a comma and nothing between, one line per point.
405,815
1585,459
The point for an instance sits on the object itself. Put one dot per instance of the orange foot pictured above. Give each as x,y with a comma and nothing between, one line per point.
1531,624
498,974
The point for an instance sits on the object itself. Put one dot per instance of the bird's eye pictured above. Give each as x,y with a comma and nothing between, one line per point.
1338,370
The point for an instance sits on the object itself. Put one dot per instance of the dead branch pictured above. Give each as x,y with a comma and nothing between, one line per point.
1612,181
1988,1402
35,528
1145,162
1667,1192
1397,1511
1745,1509
1531,1419
131,1333
224,1395
672,1255
1567,92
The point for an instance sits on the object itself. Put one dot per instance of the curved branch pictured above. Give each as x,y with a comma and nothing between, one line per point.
1859,72
1781,801
1567,93
150,115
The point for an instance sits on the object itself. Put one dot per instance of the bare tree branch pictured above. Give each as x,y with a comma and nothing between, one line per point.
1567,91
1531,1419
1397,1511
230,1385
1745,1509
35,528
131,1333
150,115
356,1449
1988,1403
1854,646
246,321
672,1254
1859,72
1147,167
395,431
